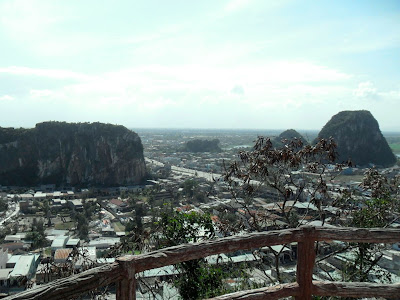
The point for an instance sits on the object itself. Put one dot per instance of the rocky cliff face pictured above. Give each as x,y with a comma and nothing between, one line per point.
359,138
71,153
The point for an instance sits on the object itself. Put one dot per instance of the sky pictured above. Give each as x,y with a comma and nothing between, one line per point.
199,64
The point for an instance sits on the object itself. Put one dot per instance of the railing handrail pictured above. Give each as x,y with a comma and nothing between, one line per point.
123,271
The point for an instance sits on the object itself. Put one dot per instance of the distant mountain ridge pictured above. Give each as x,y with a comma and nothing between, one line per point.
72,154
358,138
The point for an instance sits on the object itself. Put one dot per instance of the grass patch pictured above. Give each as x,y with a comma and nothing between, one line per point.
136,252
64,226
118,226
142,198
395,148
47,251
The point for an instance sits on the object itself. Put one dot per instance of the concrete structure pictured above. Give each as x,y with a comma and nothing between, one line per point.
3,258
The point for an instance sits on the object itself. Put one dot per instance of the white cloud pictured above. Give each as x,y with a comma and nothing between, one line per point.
366,90
152,87
6,98
238,90
27,18
159,103
156,86
40,93
234,5
50,73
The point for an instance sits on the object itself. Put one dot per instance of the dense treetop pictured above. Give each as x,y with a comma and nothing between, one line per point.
198,145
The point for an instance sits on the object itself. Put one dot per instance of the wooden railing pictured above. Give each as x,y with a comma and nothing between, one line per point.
123,271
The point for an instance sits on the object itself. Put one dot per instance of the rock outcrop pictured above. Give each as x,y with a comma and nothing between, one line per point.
358,138
72,154
289,135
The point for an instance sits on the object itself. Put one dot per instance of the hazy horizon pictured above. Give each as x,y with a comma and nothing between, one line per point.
248,64
277,130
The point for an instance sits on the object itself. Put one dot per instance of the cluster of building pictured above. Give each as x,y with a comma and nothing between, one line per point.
20,266
266,208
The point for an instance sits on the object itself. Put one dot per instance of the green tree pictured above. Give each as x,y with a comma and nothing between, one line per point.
37,235
189,187
376,211
82,226
369,212
36,203
139,213
199,280
47,211
88,209
130,226
3,205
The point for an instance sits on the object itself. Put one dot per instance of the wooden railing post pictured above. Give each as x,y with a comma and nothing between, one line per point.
126,288
305,264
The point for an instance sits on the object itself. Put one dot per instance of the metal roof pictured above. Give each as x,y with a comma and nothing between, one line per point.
59,241
4,273
23,266
57,232
62,254
72,242
13,259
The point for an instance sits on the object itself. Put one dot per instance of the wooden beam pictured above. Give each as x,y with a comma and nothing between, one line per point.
75,285
359,235
177,254
185,252
356,289
305,264
270,293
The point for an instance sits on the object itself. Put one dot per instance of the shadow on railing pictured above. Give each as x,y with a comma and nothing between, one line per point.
123,271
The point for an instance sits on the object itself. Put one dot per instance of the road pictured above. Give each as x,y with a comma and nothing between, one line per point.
154,162
185,171
208,176
10,215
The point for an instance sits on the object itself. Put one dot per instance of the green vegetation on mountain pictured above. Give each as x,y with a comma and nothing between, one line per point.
358,138
8,135
199,145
